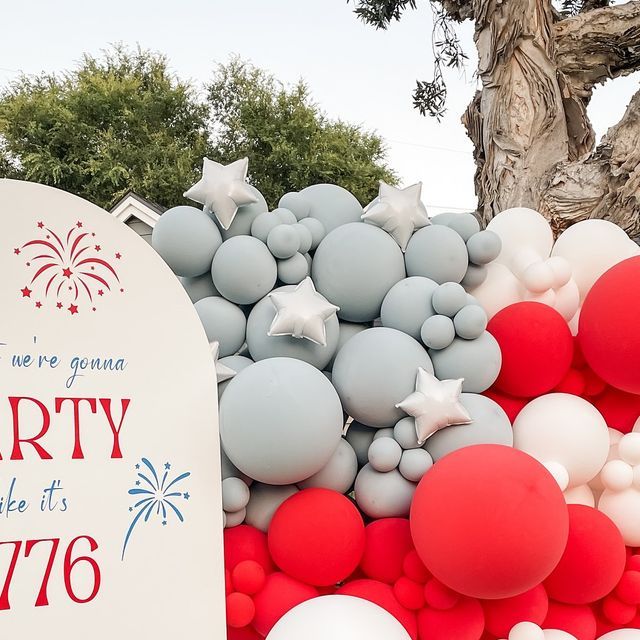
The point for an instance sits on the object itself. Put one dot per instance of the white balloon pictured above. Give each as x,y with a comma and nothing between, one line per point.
592,247
629,448
623,508
622,634
614,438
616,475
561,270
531,631
538,277
559,473
567,300
499,289
565,429
338,617
580,495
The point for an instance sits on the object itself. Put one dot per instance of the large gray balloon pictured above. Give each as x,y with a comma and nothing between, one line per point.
244,270
408,304
223,322
354,267
187,239
375,370
464,224
264,501
339,473
332,205
490,426
199,287
383,495
246,214
280,421
360,437
237,364
262,346
347,330
477,361
437,252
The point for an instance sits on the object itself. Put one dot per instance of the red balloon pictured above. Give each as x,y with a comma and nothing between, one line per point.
317,536
414,568
618,612
246,543
409,594
578,620
248,577
594,384
536,345
439,596
245,633
489,521
510,405
608,327
593,560
574,383
465,621
387,542
279,594
502,615
382,594
619,409
240,610
628,589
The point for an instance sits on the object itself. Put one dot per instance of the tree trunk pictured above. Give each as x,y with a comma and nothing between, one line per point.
534,145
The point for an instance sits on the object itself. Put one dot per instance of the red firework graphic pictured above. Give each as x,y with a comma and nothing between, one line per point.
70,270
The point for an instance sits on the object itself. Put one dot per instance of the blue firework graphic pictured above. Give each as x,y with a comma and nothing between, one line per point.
156,495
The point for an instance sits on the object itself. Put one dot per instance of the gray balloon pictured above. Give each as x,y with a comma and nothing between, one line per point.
443,218
449,298
438,332
305,237
186,239
490,426
244,270
237,364
283,241
383,495
223,322
285,216
437,252
264,501
475,276
318,232
199,287
375,370
385,432
264,223
296,203
262,346
280,421
470,321
354,267
477,361
339,473
360,437
405,433
228,469
234,519
408,304
332,205
414,464
246,214
235,494
484,247
347,330
464,224
384,454
293,270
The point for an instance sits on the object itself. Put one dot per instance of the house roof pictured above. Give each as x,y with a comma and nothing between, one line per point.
134,205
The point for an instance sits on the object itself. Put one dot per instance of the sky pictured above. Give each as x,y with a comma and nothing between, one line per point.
354,72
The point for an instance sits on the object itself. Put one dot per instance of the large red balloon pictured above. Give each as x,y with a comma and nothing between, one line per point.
502,615
489,521
387,542
608,328
536,345
317,536
593,560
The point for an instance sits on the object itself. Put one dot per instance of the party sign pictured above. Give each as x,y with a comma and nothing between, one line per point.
110,519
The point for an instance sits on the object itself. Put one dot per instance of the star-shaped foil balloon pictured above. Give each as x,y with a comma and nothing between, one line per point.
222,189
434,404
222,371
398,211
301,313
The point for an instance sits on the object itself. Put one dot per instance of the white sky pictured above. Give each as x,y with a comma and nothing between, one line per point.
354,72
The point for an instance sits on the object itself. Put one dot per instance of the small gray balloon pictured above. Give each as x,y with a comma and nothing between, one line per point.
384,454
405,433
186,239
464,224
385,432
360,437
199,287
264,223
235,494
339,473
237,364
234,519
293,270
437,252
285,216
383,495
375,370
470,321
438,332
244,270
332,205
477,361
476,274
246,214
408,304
317,230
347,330
296,203
223,322
283,241
354,267
264,501
484,247
414,464
305,237
490,426
280,421
449,298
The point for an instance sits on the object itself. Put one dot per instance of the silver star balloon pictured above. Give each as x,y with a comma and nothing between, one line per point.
398,211
222,189
434,404
301,313
222,371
